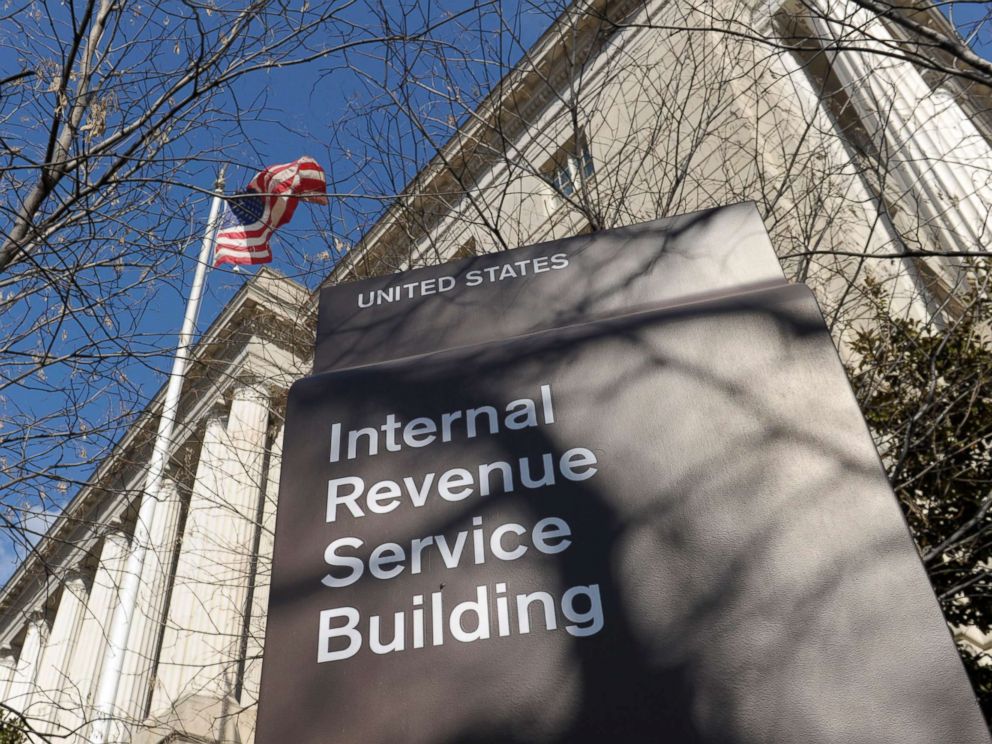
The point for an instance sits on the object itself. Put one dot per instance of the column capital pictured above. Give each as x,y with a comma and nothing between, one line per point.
114,523
112,531
214,418
168,488
76,574
216,411
35,617
250,387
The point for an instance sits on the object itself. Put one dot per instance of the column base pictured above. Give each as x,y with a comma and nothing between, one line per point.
199,719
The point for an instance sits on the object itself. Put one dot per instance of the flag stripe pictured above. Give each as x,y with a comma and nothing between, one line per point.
279,189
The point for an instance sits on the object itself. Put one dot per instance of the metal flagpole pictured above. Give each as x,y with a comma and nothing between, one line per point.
113,658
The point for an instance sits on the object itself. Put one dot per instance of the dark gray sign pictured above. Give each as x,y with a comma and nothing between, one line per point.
501,295
665,525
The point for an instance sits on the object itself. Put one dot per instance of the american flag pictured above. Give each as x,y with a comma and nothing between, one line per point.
251,216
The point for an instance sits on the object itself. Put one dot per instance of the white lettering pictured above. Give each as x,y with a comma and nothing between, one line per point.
578,457
480,608
551,528
383,497
496,542
331,558
333,499
420,432
328,633
387,560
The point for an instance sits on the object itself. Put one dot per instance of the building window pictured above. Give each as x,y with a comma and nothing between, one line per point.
569,168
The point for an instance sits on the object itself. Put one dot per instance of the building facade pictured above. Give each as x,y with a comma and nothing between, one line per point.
621,112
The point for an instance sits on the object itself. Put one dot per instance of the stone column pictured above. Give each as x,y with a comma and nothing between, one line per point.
179,641
8,665
84,666
22,685
247,429
870,229
199,665
939,158
146,625
52,677
263,574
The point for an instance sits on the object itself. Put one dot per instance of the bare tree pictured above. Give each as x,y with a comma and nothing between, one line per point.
113,122
114,119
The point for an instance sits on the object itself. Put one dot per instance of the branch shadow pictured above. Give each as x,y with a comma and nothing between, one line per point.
757,580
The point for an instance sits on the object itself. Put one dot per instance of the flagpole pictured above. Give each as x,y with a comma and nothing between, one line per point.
113,657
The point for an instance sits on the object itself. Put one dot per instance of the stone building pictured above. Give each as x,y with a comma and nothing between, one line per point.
621,112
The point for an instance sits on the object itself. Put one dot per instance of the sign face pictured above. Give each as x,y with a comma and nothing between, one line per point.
501,295
663,525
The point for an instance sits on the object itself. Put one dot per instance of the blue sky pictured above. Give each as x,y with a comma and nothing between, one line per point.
968,18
